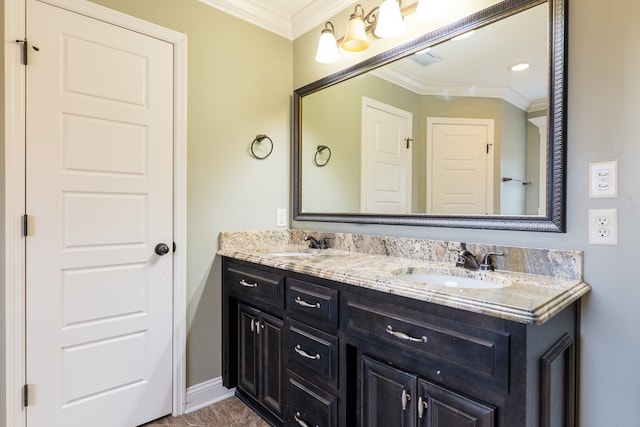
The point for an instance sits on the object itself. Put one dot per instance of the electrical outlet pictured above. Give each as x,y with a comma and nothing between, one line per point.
282,217
603,226
603,179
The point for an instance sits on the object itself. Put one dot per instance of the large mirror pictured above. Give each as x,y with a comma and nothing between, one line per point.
441,131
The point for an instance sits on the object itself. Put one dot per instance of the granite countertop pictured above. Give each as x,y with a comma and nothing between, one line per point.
528,298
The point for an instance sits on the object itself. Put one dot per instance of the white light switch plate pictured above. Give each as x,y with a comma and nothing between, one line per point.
603,179
281,217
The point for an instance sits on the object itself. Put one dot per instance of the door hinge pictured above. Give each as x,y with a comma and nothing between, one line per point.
25,395
25,49
25,225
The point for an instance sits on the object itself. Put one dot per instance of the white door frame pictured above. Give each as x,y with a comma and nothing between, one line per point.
14,194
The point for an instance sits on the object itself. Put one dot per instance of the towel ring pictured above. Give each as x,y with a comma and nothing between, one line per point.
259,139
319,150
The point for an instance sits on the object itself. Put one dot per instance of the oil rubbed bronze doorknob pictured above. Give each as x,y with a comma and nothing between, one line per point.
162,249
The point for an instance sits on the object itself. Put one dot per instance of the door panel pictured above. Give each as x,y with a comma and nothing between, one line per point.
459,166
99,198
388,395
386,159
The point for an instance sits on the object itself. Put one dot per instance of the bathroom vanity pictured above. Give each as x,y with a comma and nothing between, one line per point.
343,338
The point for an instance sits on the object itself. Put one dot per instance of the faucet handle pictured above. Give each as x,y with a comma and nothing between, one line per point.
486,264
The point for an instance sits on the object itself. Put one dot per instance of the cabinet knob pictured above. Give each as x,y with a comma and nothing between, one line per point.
406,397
422,406
300,421
247,284
404,336
303,303
303,353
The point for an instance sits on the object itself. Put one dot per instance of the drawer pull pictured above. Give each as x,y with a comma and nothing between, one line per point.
406,397
300,421
303,353
303,303
258,326
253,323
422,406
247,284
404,336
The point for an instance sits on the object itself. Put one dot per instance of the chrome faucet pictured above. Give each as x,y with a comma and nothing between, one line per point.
468,260
316,244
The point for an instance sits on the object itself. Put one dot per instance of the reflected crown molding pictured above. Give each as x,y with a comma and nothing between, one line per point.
422,88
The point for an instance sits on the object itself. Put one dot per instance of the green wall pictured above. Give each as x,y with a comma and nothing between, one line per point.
3,377
601,125
239,85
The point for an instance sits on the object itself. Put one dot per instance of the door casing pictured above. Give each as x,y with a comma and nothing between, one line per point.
14,194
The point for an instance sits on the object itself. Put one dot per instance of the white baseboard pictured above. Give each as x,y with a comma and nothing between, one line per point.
206,393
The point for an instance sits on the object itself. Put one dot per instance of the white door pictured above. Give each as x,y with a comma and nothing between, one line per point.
386,158
460,166
99,198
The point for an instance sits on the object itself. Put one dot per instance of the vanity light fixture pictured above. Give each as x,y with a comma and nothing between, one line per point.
327,46
355,39
389,22
386,20
520,66
430,10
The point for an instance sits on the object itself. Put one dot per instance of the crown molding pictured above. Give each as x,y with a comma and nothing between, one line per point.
259,15
316,13
421,88
289,27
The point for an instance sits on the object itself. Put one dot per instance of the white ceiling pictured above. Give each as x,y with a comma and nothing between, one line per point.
288,18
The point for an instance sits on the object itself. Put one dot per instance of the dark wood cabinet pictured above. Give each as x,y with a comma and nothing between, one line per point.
260,357
388,395
392,397
303,351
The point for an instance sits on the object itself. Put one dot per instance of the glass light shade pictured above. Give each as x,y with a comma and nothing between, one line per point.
327,48
355,39
389,22
429,10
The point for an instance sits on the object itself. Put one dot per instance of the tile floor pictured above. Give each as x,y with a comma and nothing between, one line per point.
227,413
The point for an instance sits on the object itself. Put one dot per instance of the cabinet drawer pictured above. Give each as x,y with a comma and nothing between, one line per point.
252,284
452,348
309,405
315,304
312,353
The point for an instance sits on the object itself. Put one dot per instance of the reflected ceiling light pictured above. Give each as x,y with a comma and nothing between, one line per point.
389,22
355,39
327,52
464,35
429,10
520,66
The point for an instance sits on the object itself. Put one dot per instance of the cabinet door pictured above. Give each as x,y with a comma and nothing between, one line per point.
248,350
388,395
271,341
440,407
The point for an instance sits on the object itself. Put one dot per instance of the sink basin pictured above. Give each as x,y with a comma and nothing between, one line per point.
289,254
452,281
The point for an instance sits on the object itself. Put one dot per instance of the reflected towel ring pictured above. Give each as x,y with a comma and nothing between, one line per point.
319,150
259,139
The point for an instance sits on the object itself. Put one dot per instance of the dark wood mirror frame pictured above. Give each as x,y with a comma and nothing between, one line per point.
555,218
